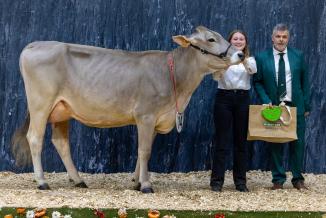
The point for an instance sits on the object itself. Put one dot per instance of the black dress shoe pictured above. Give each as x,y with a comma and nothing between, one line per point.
216,188
242,188
300,185
277,186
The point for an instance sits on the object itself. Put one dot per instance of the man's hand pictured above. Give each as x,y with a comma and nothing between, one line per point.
306,113
270,105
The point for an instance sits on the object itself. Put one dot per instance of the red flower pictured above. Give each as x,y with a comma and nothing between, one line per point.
219,215
99,213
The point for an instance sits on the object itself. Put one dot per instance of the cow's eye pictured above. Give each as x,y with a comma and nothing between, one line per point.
211,40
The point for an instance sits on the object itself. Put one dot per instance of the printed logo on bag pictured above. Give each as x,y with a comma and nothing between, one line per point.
272,116
277,124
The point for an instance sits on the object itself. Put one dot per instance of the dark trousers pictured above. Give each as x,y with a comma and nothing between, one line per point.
231,113
296,150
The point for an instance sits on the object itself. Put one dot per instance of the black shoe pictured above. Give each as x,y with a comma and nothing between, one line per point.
277,186
300,185
216,188
242,188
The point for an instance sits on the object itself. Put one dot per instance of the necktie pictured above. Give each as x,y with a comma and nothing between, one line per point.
281,85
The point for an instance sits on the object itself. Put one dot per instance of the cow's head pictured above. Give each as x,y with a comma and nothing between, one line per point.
216,52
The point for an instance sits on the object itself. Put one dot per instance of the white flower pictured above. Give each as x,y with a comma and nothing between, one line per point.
169,216
30,214
122,211
56,214
67,216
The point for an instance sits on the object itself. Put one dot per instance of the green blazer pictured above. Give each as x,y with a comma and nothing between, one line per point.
265,79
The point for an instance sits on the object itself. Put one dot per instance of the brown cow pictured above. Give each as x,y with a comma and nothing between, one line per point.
110,88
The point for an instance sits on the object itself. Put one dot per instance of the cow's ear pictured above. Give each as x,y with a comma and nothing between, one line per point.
201,29
183,41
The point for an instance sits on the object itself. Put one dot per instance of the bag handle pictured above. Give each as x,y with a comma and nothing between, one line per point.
286,122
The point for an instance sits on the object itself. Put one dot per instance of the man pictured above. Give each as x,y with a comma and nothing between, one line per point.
282,76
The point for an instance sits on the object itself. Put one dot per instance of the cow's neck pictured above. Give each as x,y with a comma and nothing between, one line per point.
188,73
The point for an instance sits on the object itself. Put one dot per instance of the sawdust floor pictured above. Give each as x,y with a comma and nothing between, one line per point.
177,191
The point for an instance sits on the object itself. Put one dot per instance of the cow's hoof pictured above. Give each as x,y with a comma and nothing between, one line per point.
45,186
81,185
147,190
137,187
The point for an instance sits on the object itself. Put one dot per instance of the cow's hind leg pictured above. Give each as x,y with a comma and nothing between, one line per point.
136,177
35,137
146,135
60,139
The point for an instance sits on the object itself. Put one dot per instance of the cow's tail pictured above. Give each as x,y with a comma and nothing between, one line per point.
20,146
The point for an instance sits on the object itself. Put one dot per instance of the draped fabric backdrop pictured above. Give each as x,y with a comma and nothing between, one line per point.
148,25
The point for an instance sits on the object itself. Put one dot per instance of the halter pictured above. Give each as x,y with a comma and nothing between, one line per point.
203,51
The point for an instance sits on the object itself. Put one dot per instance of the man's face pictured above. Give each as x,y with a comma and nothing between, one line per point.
280,40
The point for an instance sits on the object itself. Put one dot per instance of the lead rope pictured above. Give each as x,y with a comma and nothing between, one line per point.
179,115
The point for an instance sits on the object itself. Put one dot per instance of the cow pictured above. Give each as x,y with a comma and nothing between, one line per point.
105,88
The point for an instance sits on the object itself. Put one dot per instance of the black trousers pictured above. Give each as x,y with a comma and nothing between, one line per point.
231,112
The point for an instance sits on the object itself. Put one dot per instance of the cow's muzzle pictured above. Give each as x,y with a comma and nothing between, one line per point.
237,57
241,56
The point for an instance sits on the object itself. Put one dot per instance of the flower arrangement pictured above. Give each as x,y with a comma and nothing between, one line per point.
42,213
36,213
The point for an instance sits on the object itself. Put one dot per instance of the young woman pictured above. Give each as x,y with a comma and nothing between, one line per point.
231,113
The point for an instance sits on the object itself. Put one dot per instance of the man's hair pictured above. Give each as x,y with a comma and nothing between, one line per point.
280,27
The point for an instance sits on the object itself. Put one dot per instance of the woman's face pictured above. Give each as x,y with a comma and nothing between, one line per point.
239,41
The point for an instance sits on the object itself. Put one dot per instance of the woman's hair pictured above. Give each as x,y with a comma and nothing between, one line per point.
246,48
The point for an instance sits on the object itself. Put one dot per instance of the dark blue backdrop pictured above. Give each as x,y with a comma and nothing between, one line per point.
143,25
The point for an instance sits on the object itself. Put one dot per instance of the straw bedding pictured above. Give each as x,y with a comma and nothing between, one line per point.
175,191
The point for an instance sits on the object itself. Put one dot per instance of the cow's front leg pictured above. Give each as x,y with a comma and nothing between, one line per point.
137,184
146,135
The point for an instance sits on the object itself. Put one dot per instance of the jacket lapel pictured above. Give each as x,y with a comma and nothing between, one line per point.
291,58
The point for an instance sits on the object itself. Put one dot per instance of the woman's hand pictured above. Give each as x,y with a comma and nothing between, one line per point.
250,65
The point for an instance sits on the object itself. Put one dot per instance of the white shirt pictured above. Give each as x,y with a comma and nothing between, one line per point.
237,77
288,77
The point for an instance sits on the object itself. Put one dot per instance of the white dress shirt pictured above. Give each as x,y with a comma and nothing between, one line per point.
237,77
288,77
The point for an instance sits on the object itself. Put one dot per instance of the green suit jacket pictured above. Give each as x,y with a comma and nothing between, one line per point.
265,79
